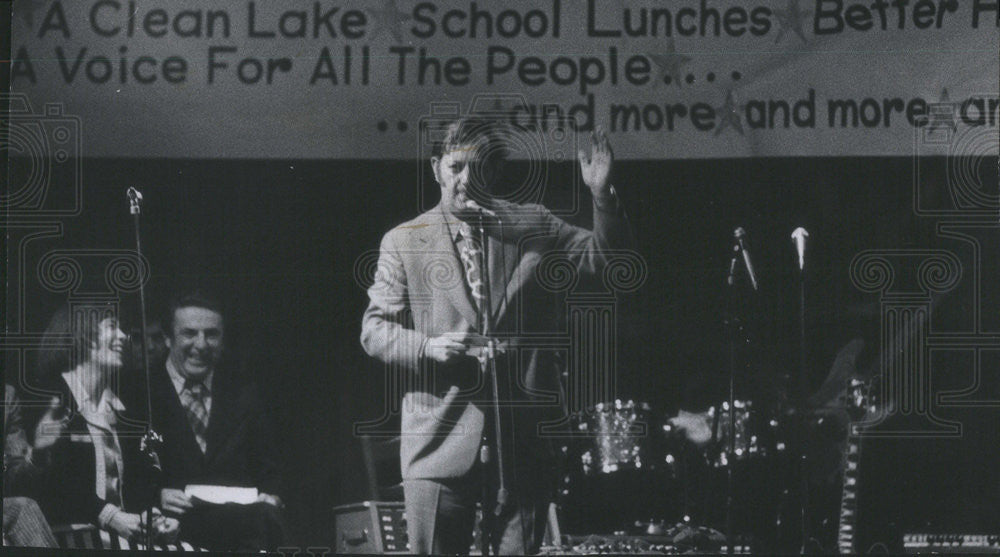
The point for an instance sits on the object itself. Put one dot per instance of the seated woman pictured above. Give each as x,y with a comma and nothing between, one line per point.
24,525
87,447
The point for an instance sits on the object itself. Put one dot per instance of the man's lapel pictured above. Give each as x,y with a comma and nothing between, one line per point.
176,413
522,227
219,416
503,261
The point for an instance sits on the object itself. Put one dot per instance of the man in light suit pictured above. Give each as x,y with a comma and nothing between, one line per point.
426,313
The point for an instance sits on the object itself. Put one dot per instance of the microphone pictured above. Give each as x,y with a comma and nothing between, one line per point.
740,236
799,237
134,200
470,204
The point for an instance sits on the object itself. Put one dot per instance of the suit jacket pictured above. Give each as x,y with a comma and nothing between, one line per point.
240,443
420,292
66,475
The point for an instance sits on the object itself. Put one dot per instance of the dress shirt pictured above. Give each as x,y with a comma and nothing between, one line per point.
178,380
101,419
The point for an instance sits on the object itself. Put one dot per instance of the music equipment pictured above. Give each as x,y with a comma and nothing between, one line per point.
951,543
740,235
849,490
151,440
618,437
681,539
737,336
755,435
799,236
615,544
371,527
857,401
863,403
615,451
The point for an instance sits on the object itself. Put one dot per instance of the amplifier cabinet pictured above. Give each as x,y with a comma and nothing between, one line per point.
370,527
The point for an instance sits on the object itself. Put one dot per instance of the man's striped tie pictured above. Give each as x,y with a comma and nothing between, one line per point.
193,398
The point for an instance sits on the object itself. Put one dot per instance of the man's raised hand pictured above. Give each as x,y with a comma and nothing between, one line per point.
596,168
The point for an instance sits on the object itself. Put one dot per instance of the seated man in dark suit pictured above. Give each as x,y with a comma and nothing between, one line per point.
215,432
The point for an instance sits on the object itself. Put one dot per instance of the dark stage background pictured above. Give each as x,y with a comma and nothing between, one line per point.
279,240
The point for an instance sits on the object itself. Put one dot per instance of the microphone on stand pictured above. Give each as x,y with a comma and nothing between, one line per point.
150,440
799,237
134,201
470,204
740,235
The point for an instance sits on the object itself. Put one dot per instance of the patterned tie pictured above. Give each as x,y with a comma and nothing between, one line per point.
112,455
471,251
193,398
113,492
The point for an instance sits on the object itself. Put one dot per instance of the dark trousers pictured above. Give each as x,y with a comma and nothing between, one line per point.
232,527
441,513
24,525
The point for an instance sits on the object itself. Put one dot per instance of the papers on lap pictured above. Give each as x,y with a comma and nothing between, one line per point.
220,494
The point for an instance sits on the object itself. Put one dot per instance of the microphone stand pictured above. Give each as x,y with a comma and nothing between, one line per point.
799,236
735,328
488,368
150,440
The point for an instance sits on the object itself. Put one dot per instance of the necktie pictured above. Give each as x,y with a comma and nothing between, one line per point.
193,398
112,455
111,472
470,249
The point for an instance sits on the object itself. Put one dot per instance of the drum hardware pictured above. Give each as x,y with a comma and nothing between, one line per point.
652,528
619,433
753,437
614,451
621,447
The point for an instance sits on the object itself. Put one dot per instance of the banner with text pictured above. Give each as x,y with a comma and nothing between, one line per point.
368,79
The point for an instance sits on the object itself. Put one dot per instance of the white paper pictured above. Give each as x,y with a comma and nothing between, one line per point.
220,494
